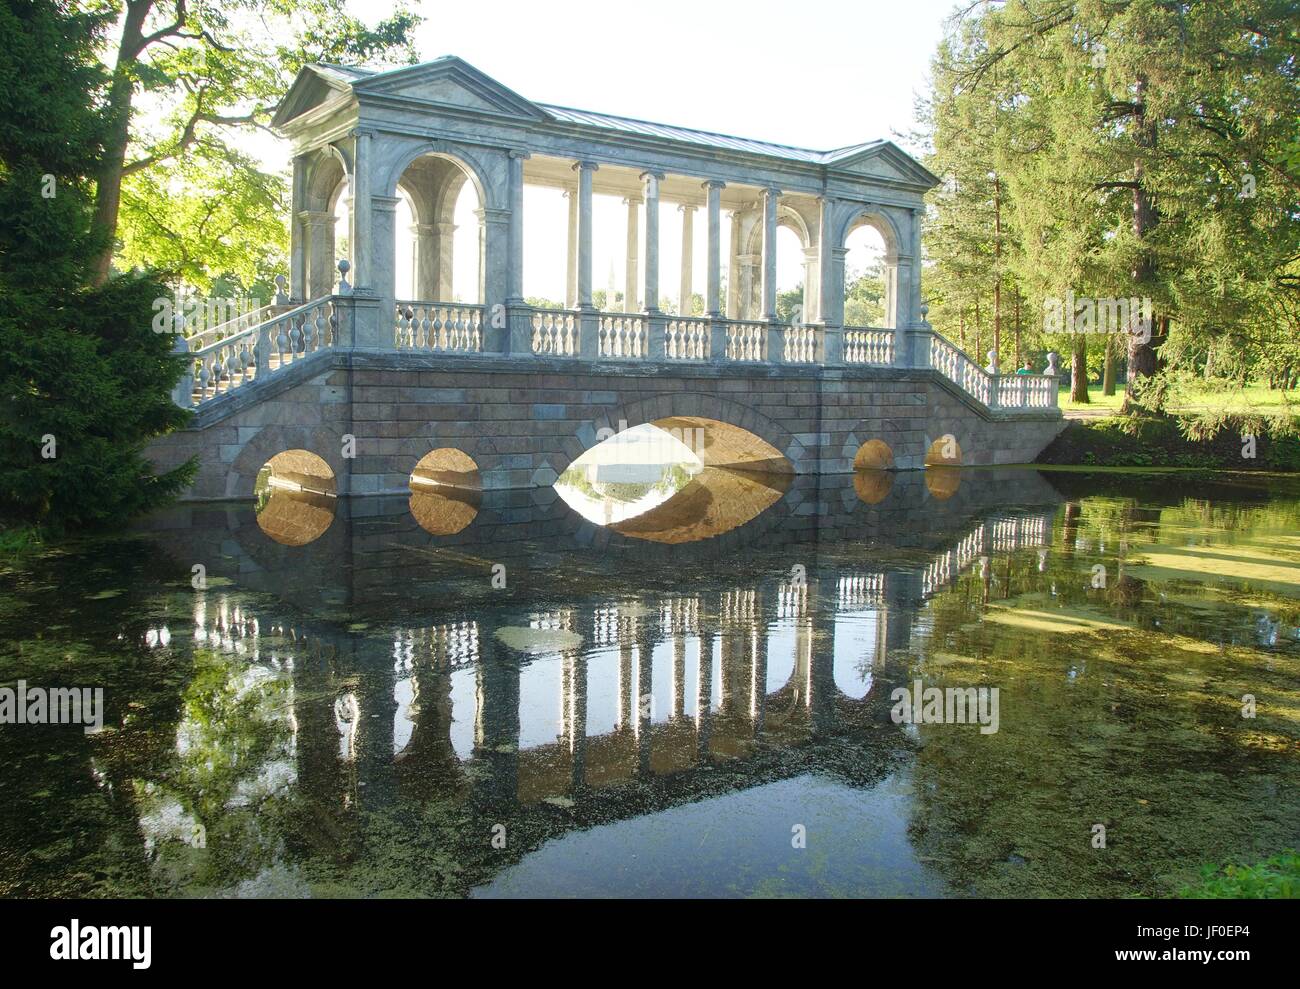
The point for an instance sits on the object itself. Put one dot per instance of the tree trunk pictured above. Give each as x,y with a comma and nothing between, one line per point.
108,176
1108,375
1079,369
1142,357
1020,357
997,272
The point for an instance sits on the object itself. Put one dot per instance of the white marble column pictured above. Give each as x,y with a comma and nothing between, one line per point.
446,262
771,197
631,302
515,280
297,235
810,272
713,298
585,170
382,225
686,289
318,231
830,295
571,287
361,235
651,293
426,262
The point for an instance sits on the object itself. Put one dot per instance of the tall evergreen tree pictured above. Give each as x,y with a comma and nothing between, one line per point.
84,380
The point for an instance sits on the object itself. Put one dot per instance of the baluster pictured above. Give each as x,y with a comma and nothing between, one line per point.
281,341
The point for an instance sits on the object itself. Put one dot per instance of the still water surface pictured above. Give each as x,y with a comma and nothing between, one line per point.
670,704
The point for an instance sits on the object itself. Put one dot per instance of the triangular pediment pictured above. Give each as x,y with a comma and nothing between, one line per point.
884,160
449,83
313,87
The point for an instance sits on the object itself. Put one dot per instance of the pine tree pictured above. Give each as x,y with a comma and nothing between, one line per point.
84,380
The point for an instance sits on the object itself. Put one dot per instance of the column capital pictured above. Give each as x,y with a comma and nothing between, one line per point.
315,216
687,207
713,184
586,166
657,176
633,200
772,191
385,202
492,214
519,153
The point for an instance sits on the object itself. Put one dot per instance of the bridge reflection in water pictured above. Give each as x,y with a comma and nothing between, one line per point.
606,662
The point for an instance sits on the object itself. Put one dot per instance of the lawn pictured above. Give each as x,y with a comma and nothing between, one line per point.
1252,398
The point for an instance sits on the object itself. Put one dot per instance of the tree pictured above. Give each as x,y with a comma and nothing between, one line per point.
208,68
84,380
1159,167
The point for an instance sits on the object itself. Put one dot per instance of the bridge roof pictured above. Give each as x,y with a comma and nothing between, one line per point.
406,81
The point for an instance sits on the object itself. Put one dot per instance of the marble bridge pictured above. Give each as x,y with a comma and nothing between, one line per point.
434,164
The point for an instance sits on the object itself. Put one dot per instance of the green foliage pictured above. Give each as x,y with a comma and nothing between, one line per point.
1164,441
192,205
82,375
1128,148
1277,878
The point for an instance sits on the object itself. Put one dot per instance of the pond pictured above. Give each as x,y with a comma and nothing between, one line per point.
708,693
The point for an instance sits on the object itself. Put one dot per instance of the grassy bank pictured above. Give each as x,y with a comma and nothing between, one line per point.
1277,878
1252,398
1121,441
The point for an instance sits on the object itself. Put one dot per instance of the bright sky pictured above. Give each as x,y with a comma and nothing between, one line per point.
819,74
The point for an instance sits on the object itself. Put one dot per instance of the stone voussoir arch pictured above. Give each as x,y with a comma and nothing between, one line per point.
412,449
698,404
324,441
401,158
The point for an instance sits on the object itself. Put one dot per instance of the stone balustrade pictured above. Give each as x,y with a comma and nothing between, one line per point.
249,352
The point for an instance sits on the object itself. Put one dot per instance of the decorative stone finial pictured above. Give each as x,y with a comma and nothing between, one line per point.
344,268
1052,359
282,293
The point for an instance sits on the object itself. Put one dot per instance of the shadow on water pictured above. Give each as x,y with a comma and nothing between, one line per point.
486,690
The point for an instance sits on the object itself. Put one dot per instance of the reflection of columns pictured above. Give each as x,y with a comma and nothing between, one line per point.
297,240
630,288
684,304
318,227
651,294
584,170
643,702
496,739
515,281
678,703
770,199
704,693
713,276
361,239
571,285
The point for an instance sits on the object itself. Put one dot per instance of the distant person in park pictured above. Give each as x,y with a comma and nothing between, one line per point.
1026,368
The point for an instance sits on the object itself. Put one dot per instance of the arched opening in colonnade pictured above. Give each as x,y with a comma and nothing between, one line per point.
439,232
871,289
